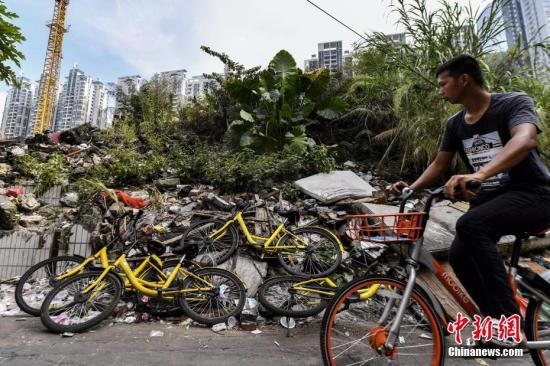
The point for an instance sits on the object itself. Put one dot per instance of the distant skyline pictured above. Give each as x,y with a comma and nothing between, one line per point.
113,38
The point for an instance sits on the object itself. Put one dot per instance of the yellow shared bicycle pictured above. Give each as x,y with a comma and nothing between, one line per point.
301,297
207,295
306,251
38,280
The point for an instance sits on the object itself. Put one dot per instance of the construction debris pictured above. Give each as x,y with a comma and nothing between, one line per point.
335,186
170,206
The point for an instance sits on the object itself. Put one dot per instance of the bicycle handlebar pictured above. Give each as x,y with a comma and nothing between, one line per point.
407,192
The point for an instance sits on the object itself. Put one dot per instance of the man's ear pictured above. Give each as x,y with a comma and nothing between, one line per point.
465,80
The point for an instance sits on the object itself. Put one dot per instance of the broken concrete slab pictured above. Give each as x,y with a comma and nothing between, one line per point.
29,203
69,199
31,220
8,214
217,201
251,271
5,170
168,183
334,186
17,151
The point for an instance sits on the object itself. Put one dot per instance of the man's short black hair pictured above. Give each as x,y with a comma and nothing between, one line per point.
463,64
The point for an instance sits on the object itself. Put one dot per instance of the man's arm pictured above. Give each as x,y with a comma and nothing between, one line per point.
435,170
523,140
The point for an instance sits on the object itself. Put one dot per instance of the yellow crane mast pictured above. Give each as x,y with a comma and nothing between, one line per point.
49,81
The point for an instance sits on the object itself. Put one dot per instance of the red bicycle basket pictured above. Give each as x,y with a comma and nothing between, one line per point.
388,228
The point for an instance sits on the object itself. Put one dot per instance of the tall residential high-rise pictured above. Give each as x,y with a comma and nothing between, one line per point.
110,105
74,101
130,85
199,85
176,82
3,97
127,86
311,64
513,19
330,55
97,104
398,38
17,110
499,42
536,20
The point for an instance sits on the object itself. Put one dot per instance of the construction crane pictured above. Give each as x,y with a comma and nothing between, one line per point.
49,81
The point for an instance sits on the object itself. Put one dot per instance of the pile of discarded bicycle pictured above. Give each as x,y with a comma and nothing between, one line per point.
73,293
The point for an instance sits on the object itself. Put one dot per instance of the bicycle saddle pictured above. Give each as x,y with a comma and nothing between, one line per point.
538,234
292,214
188,247
156,247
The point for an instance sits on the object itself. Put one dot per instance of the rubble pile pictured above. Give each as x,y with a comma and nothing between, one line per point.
175,205
323,199
23,206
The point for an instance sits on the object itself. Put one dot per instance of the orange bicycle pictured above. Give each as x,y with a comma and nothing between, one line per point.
403,322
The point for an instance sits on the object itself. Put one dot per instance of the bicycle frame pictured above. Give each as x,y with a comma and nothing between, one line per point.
364,294
104,260
149,288
269,244
420,256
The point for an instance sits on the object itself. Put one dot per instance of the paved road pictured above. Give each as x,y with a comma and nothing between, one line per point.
24,342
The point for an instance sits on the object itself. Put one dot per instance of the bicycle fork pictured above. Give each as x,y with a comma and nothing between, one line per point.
393,333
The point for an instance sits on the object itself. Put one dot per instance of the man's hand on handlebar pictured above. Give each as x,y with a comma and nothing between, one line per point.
456,188
397,187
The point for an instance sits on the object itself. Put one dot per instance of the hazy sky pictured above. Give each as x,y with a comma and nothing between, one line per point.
112,38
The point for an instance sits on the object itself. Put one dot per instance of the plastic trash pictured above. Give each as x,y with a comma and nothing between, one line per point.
231,322
156,333
219,327
287,322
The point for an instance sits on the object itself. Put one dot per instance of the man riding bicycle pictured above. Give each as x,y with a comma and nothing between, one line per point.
495,135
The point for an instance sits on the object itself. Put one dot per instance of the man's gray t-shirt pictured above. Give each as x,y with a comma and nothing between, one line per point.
479,143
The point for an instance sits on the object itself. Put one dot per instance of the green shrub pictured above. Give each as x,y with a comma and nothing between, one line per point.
46,174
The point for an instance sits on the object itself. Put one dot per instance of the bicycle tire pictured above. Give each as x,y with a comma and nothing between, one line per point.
311,262
351,313
277,296
208,251
80,281
534,323
40,292
193,303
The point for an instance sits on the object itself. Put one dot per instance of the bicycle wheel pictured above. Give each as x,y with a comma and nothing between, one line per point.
281,297
161,306
37,281
537,328
67,309
207,250
320,255
224,298
353,331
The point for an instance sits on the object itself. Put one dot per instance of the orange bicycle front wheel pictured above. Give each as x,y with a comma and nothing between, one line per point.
354,329
537,328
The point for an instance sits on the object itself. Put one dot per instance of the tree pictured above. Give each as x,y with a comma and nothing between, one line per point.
10,37
278,103
433,37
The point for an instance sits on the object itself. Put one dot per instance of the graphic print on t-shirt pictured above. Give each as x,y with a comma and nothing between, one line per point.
480,150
